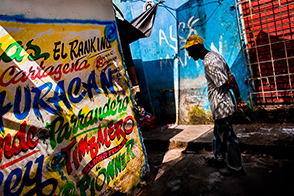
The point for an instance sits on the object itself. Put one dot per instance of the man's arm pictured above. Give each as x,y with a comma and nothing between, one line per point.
232,84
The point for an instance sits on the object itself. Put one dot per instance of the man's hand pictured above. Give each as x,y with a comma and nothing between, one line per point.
234,86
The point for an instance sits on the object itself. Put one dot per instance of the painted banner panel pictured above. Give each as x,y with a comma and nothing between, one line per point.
67,123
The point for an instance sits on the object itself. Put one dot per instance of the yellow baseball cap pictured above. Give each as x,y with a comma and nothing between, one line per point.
193,40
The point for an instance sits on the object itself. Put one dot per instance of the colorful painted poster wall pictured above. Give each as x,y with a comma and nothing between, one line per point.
173,83
67,123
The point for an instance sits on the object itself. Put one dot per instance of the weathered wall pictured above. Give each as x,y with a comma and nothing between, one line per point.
215,22
171,81
67,123
154,60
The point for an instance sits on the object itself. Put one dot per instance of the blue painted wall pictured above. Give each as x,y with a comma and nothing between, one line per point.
161,67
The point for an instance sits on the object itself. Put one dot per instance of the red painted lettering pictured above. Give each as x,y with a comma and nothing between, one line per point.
118,129
83,147
129,122
13,76
67,152
20,141
93,147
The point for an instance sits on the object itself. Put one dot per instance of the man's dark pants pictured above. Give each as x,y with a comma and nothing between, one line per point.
226,144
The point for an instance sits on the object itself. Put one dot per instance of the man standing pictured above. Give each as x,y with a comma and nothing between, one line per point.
219,82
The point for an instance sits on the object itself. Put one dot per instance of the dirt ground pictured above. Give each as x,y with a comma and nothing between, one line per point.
189,175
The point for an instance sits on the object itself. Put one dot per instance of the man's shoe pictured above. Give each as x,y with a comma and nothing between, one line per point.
230,172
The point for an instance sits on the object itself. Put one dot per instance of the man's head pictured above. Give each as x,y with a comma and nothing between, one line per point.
195,47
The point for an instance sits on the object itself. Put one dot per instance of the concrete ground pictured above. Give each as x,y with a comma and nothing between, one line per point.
177,165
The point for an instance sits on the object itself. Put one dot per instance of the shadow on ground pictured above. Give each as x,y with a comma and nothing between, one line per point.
189,174
157,144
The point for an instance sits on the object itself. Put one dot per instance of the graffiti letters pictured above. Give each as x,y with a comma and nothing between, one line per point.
64,130
104,137
56,51
182,29
111,107
39,101
102,62
18,179
104,176
21,141
190,25
80,48
103,156
14,52
66,120
162,36
12,75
